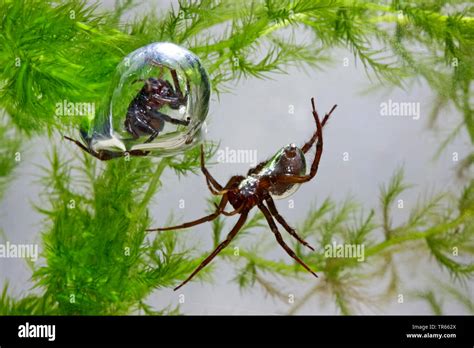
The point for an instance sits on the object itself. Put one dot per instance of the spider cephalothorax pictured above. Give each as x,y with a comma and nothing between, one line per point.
277,177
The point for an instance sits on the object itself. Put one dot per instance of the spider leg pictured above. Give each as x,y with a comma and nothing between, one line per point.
159,116
161,71
319,145
103,156
219,248
281,220
206,218
137,153
177,88
280,240
78,143
213,190
158,64
162,116
209,178
129,128
152,137
231,213
169,100
310,143
144,126
174,75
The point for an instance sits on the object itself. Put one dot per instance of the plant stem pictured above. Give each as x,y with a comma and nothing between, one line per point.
152,187
416,235
343,262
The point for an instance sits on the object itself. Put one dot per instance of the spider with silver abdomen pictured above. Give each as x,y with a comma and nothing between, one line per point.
275,177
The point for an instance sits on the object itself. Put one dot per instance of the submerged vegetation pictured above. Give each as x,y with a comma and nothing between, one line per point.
67,50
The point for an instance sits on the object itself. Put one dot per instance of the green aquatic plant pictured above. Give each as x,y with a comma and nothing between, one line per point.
98,258
439,227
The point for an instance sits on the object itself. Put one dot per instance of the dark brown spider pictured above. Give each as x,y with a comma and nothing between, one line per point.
144,115
273,177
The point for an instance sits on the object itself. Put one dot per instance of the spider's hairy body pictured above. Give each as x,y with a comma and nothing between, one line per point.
277,177
248,187
144,116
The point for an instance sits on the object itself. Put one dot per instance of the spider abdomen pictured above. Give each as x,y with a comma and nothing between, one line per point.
289,160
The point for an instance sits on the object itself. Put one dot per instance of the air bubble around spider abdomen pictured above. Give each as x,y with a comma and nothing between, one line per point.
142,113
289,160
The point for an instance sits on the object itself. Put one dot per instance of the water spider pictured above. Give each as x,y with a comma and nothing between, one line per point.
276,177
144,115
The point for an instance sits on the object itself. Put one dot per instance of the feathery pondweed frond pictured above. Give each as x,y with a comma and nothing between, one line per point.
433,302
388,196
433,230
95,241
190,162
9,151
60,60
50,54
